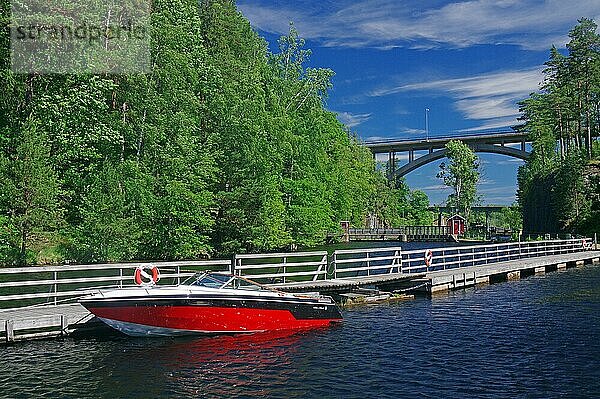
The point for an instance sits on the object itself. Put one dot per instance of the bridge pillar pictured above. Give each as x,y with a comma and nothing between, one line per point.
411,155
392,164
523,146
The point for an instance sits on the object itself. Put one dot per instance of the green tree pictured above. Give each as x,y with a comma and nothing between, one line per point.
221,147
29,190
552,190
461,174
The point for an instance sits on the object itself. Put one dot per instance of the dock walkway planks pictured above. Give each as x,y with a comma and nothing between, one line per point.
41,321
344,284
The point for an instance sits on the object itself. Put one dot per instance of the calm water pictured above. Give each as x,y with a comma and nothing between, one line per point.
535,338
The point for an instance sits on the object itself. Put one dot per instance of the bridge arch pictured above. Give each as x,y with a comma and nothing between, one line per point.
476,147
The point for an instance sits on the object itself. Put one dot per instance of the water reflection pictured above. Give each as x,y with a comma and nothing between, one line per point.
219,366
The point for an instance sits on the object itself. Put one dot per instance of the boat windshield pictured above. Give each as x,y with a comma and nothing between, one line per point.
210,280
222,281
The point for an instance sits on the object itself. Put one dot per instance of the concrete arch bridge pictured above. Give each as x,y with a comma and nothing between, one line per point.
503,142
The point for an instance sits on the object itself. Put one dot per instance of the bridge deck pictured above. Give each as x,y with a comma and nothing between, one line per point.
505,137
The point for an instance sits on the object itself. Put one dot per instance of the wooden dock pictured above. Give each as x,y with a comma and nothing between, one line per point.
469,276
450,279
344,271
343,285
44,321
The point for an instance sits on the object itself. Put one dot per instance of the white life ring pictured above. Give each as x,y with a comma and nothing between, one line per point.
145,279
428,257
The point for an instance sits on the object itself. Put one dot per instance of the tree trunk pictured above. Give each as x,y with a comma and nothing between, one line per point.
23,250
561,139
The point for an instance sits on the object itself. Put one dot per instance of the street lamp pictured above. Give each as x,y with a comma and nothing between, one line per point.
427,123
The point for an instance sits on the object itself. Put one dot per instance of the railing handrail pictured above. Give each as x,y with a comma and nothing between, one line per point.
456,257
578,240
370,250
110,266
281,255
317,268
75,285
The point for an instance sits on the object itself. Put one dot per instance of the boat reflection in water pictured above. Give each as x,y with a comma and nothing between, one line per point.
209,303
248,365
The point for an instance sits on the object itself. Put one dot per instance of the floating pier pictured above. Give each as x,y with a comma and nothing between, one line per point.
41,301
470,276
45,321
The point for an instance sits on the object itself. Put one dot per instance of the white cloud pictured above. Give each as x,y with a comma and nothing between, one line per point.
489,97
497,190
385,24
352,120
491,125
411,131
376,138
435,188
501,200
497,84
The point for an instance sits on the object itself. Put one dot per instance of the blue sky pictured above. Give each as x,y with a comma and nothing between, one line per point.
469,62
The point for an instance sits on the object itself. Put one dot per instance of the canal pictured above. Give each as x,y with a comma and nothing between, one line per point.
535,338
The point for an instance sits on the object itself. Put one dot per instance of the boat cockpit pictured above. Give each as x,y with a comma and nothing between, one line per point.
223,281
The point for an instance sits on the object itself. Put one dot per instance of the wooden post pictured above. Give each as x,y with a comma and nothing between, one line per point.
334,263
540,270
513,275
55,286
233,264
63,324
9,327
444,259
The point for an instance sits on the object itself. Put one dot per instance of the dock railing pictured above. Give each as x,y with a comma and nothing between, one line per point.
40,285
282,267
366,262
35,285
476,255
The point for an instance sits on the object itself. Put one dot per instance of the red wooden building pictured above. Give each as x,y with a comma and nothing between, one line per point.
457,225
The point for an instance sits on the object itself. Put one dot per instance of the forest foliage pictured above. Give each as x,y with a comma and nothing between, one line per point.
559,186
222,147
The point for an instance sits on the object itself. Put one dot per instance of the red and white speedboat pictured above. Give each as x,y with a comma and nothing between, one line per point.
209,303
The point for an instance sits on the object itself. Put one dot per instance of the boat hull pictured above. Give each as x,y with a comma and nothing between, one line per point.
162,317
